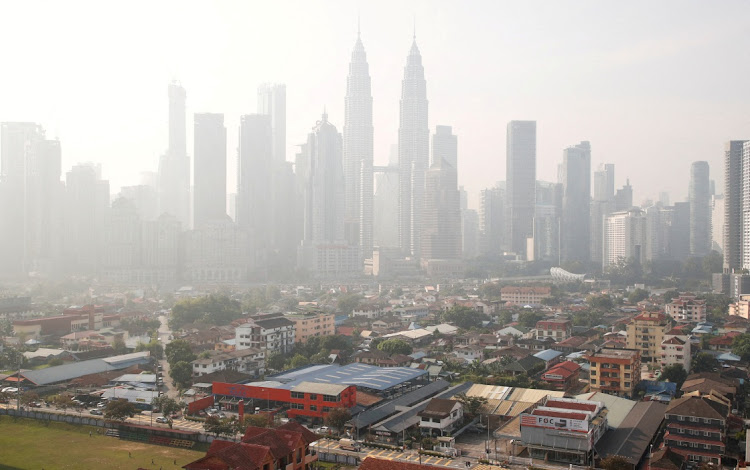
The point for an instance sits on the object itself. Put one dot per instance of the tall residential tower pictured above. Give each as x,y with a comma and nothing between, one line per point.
520,172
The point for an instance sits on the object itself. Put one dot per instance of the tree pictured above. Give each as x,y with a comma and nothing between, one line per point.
337,418
119,410
259,421
182,374
464,317
528,318
179,351
212,309
298,361
704,362
471,404
348,302
275,361
670,295
615,462
637,295
219,426
28,397
674,373
167,406
395,346
600,302
153,347
119,346
741,346
62,401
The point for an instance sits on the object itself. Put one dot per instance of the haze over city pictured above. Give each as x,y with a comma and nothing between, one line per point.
652,86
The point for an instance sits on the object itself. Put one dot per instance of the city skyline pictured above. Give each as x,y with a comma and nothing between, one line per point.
643,82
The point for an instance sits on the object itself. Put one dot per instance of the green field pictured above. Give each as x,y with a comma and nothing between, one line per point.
32,444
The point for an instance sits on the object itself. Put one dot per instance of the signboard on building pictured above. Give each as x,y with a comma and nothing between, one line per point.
555,423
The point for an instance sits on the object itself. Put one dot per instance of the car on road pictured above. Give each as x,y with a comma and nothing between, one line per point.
96,411
162,419
323,430
35,404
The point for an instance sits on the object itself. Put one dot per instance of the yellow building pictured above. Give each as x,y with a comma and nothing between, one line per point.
615,371
646,333
307,325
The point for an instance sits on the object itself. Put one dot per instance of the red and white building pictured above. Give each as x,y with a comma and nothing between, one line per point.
524,295
563,376
558,330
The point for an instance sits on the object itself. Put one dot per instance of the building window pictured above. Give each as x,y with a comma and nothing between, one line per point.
593,381
326,409
298,395
313,408
313,396
297,406
330,398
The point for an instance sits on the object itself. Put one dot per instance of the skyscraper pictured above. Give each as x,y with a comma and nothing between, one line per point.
700,209
30,198
733,205
86,209
358,152
576,182
413,152
441,232
624,237
324,251
602,205
520,171
272,102
745,224
445,146
492,219
174,165
254,177
210,160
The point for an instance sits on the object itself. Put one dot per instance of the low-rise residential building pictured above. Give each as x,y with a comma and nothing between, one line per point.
272,335
247,361
558,330
378,358
564,430
686,309
563,376
309,325
441,416
286,447
615,371
524,295
675,349
697,427
646,333
469,352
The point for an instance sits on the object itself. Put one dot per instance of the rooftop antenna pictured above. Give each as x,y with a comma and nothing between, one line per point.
415,27
358,29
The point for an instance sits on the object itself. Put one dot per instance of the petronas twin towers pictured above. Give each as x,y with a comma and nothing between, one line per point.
413,153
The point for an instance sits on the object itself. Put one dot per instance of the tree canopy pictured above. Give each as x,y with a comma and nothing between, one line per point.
674,373
182,374
464,317
119,410
212,310
704,362
615,462
167,406
337,418
177,351
741,346
395,346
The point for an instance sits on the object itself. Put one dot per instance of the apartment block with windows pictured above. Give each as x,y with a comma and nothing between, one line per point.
309,325
686,309
646,333
697,427
615,371
558,330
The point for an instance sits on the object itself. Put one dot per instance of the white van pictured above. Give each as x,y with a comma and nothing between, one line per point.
349,444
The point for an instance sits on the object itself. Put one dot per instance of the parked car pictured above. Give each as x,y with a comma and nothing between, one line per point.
35,404
162,419
96,411
349,444
101,404
323,430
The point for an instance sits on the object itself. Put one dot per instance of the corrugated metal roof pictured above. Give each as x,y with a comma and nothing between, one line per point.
323,389
618,408
74,370
379,413
491,392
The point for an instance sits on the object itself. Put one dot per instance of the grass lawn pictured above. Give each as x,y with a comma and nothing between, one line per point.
32,444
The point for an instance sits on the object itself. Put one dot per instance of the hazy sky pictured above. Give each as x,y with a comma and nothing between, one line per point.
653,85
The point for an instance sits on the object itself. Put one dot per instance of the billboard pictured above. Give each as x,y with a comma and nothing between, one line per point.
552,422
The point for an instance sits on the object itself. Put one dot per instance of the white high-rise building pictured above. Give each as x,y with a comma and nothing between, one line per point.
174,165
520,171
358,153
625,237
413,152
700,209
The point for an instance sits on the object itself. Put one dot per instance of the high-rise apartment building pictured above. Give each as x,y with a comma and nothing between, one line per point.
441,233
520,172
575,177
624,237
174,165
745,181
86,211
700,209
30,200
733,188
210,162
358,153
272,102
604,182
547,214
324,251
602,205
624,197
254,185
492,219
413,152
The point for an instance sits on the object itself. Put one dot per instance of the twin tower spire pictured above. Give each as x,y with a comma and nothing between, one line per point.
413,152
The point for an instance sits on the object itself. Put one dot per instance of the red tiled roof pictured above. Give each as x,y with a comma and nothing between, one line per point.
565,369
570,405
